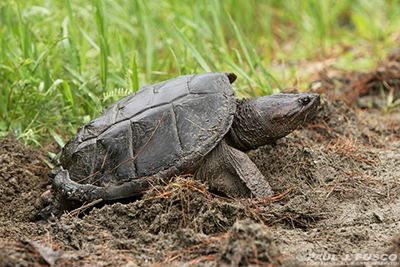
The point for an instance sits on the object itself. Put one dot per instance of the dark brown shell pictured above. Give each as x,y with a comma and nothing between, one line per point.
171,125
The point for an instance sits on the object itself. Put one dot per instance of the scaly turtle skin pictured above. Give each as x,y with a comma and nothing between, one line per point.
190,124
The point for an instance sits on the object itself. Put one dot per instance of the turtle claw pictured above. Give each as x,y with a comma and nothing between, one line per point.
53,172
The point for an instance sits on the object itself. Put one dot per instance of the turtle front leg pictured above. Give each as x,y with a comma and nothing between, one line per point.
71,190
231,171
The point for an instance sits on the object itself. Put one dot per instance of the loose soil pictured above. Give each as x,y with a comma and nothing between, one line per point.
337,198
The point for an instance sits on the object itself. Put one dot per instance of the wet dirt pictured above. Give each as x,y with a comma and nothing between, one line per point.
337,200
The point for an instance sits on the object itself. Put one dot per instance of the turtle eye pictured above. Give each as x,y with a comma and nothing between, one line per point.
304,100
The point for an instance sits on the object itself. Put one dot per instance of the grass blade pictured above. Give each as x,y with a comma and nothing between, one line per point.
134,75
195,53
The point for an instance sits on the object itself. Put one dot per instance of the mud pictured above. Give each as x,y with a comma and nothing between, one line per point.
337,201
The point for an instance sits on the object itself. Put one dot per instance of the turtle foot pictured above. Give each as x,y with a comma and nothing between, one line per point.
231,172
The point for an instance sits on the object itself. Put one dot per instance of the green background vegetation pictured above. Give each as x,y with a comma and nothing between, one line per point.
62,62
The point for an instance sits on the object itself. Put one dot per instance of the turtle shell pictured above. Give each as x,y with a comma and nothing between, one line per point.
167,126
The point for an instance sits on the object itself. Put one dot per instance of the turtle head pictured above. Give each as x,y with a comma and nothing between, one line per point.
281,114
263,120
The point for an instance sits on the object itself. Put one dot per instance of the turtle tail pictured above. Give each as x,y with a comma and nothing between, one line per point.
68,189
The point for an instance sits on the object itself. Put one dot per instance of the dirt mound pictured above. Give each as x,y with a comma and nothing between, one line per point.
23,178
181,221
183,203
249,243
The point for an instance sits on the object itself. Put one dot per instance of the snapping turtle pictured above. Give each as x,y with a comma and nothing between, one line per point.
190,124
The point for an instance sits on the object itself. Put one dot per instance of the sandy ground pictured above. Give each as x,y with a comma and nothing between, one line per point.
337,182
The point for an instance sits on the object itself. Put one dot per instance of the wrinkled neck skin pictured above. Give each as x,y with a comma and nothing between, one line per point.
263,120
248,126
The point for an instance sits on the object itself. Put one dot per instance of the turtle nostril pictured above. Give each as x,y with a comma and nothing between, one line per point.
305,100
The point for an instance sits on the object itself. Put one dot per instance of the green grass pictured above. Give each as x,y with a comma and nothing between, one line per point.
62,62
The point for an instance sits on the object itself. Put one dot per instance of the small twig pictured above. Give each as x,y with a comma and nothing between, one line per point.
275,197
86,206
